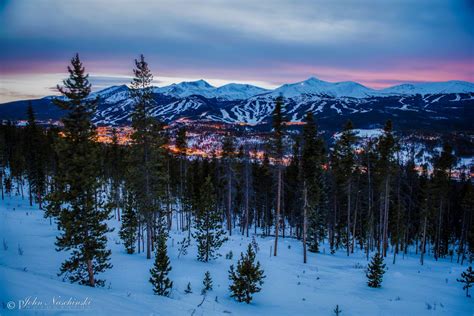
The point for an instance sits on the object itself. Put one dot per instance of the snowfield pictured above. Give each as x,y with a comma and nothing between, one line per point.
28,278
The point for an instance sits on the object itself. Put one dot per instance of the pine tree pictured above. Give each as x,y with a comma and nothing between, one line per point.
312,174
386,148
35,158
278,151
80,213
467,277
162,285
337,311
228,153
375,271
207,283
343,165
209,234
128,230
442,165
114,166
146,172
247,279
181,146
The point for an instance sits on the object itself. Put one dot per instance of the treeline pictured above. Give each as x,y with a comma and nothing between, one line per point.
354,195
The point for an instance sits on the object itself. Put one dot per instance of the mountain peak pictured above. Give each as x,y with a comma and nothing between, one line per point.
312,79
201,83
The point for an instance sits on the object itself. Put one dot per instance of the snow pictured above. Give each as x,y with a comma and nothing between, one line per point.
290,288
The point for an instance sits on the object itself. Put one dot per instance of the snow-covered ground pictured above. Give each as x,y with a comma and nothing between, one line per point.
290,288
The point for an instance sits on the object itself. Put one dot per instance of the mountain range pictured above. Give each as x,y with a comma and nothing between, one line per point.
423,105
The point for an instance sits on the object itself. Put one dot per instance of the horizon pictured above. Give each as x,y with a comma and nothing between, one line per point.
215,83
378,45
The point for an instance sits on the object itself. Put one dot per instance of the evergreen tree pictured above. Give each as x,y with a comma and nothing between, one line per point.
467,277
312,170
442,165
375,271
228,153
114,166
343,165
209,234
278,151
146,172
386,148
80,213
181,146
162,285
35,158
207,283
247,279
128,230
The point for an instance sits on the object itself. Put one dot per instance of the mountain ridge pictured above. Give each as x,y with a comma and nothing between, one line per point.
331,103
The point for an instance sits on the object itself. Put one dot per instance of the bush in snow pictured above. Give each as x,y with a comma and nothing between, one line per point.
188,289
248,277
183,247
229,255
255,246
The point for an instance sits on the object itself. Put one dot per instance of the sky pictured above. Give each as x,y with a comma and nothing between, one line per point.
267,43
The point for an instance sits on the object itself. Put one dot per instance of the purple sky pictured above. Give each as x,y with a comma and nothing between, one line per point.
377,43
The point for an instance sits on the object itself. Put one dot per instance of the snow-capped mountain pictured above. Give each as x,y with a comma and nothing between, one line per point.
453,86
236,91
309,87
232,91
314,86
112,94
425,105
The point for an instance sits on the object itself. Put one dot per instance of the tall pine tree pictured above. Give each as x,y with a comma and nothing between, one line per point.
80,212
146,172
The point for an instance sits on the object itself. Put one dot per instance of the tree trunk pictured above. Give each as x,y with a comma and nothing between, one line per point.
148,239
423,244
305,207
90,272
229,202
386,212
438,230
348,215
277,216
247,184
